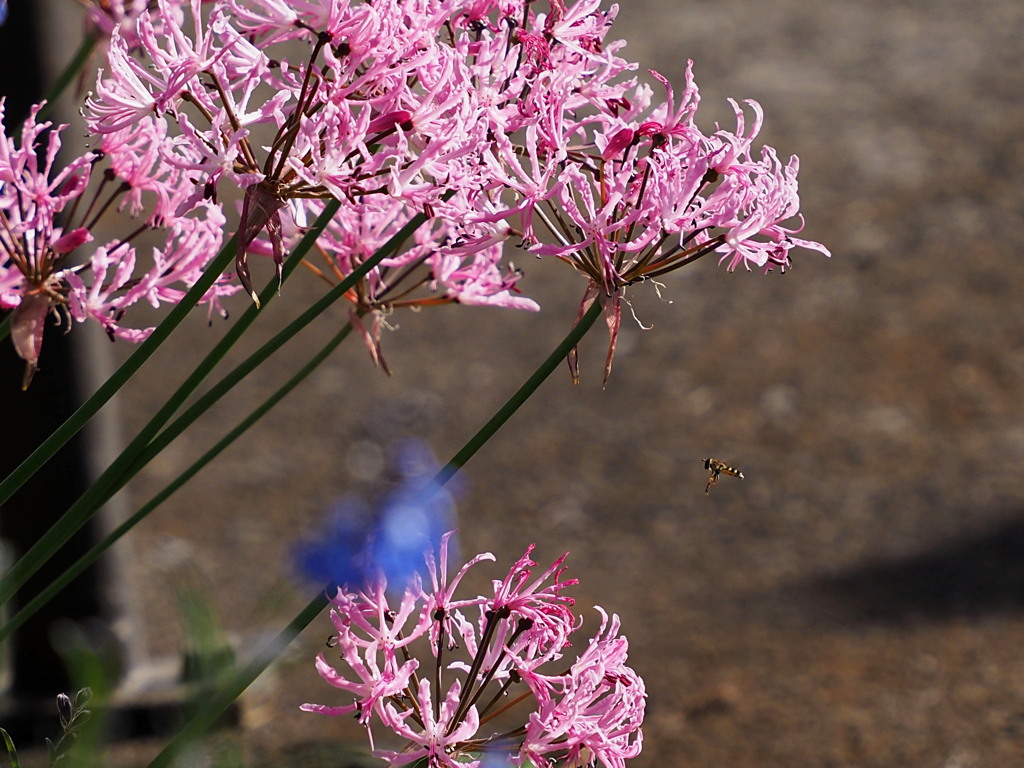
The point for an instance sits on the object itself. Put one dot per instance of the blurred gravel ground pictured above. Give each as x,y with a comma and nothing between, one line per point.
857,599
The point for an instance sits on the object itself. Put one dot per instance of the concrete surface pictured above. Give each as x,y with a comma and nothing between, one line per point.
857,599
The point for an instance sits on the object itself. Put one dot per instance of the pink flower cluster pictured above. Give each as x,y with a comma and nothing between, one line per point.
44,268
496,120
453,677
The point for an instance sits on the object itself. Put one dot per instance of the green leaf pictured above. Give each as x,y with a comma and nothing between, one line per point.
11,751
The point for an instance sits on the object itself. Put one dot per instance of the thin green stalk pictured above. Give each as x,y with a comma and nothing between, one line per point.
93,554
127,463
109,388
216,704
223,698
243,369
225,385
447,472
80,512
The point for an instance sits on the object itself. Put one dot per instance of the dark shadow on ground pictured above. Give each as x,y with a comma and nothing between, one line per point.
967,579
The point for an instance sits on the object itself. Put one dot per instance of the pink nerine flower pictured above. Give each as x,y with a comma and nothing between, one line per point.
490,121
642,191
597,709
388,107
48,269
458,687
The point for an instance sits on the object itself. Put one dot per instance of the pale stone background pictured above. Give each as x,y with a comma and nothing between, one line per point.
857,599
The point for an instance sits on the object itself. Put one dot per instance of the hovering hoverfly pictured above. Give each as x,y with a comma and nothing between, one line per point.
716,468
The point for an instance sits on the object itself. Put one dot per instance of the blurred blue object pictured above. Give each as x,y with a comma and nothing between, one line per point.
410,524
3,11
336,554
361,544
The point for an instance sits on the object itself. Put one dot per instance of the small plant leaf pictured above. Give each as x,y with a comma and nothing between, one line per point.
11,751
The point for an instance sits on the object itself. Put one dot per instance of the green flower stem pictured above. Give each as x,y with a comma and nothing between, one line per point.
223,698
447,472
72,520
129,463
225,385
109,388
93,554
219,701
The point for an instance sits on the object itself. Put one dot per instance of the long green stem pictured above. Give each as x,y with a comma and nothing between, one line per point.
486,432
129,462
104,486
246,367
69,574
109,388
215,705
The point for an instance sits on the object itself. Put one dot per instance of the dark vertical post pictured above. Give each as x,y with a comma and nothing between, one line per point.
37,673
